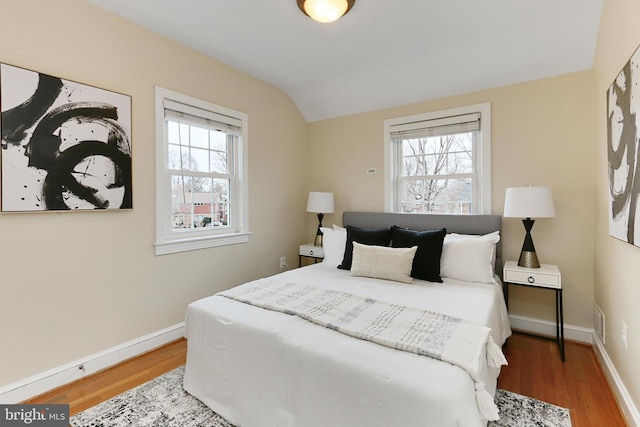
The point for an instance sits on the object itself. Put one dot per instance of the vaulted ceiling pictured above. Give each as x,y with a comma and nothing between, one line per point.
382,53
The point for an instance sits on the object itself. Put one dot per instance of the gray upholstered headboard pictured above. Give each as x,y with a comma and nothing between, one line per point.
464,224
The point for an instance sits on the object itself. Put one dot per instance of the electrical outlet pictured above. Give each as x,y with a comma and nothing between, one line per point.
624,334
283,262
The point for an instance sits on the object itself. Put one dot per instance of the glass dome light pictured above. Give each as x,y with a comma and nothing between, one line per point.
325,10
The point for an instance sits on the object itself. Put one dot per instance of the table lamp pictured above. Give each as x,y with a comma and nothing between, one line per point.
320,203
528,203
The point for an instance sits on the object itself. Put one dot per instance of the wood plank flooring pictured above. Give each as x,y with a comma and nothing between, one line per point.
534,370
96,388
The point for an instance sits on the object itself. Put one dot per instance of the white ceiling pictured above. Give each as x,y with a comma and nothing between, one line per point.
382,53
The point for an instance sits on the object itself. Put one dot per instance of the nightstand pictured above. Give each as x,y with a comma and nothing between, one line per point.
546,277
310,251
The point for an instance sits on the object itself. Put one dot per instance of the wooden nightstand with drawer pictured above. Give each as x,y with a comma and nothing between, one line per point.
546,277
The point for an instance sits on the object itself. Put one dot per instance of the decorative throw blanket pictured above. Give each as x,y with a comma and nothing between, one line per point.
439,336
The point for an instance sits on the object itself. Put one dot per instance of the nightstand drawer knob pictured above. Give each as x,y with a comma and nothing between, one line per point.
311,252
531,279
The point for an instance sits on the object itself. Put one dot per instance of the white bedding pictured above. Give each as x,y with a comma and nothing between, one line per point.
257,367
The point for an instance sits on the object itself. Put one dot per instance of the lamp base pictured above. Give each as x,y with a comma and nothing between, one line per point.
318,241
528,259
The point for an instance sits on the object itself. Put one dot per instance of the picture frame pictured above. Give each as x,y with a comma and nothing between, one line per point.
66,146
623,115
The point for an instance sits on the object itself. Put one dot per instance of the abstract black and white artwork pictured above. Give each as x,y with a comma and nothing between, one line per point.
65,145
623,112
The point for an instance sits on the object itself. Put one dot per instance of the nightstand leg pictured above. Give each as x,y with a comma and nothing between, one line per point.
557,317
505,292
560,323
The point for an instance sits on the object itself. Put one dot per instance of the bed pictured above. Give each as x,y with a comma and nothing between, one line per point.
260,367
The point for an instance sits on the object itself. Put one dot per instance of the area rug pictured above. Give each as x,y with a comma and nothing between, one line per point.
162,402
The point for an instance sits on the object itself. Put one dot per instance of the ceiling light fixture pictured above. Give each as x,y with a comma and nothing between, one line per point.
325,10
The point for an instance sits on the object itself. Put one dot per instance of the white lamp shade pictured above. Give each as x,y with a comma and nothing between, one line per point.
320,202
528,202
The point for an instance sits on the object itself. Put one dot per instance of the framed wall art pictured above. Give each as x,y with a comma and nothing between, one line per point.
623,112
65,145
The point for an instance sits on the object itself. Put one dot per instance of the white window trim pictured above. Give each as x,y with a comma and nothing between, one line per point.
484,151
168,242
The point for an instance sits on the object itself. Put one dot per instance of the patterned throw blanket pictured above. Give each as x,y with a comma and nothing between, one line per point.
450,339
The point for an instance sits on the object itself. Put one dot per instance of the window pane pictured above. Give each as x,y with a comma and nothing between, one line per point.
180,221
413,166
436,196
441,155
461,153
199,137
183,137
220,202
172,133
199,202
174,159
203,185
203,150
459,162
199,160
219,162
218,140
180,203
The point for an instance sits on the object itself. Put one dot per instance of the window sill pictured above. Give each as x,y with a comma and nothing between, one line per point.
194,243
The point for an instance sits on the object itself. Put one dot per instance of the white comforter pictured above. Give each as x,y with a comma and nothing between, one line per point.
257,367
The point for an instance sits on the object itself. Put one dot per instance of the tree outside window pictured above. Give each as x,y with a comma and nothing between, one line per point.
439,162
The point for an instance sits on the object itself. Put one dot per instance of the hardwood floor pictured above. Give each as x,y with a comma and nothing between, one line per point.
96,388
534,370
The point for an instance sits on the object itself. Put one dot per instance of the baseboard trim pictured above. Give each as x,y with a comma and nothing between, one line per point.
56,377
621,393
544,327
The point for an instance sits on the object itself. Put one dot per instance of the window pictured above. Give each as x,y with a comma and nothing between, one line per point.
201,166
439,162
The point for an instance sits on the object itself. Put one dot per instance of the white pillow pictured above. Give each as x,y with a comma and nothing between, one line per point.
471,236
469,258
381,262
475,236
334,241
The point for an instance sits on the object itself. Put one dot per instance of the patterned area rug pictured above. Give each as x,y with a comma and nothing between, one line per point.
162,402
517,410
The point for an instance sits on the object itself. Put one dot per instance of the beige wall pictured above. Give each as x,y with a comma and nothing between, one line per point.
617,264
74,284
542,135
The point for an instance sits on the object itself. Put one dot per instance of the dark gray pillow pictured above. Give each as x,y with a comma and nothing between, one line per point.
426,262
366,236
